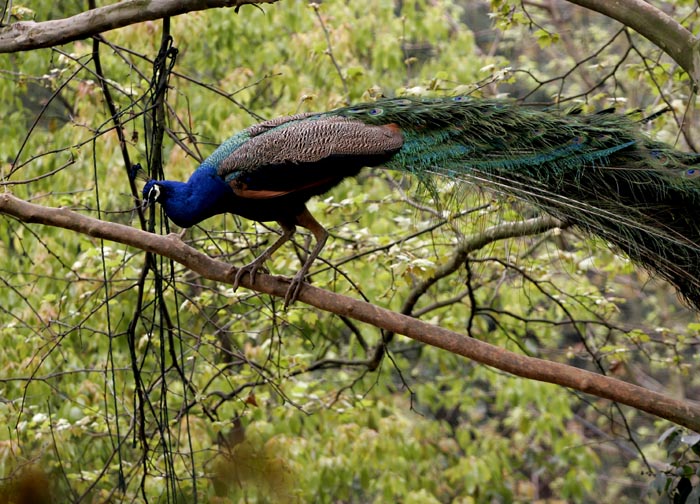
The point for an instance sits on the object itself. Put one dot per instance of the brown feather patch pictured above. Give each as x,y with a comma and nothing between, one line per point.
311,141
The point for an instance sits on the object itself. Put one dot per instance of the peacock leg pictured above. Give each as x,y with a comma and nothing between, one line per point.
253,267
306,220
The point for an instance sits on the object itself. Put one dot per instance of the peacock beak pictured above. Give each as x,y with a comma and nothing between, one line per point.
145,204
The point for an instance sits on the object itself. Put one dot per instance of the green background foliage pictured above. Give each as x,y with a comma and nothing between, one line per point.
230,399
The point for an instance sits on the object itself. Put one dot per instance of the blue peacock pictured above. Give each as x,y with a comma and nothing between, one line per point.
598,172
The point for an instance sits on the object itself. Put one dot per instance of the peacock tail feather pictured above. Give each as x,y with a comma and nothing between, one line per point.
598,172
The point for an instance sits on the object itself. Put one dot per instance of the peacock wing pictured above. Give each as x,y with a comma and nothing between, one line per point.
303,153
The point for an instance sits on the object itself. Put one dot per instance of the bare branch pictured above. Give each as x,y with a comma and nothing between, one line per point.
680,412
476,242
655,25
27,35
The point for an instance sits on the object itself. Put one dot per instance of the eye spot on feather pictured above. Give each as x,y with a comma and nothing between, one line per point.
660,157
376,111
692,173
578,140
460,98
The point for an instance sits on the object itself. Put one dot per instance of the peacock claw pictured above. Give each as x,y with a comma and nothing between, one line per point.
250,268
293,291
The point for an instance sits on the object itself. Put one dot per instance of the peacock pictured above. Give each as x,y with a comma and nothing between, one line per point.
598,172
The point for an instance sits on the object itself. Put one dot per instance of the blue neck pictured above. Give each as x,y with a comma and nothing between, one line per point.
204,195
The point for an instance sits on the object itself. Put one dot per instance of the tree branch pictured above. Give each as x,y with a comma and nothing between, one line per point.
682,413
656,26
27,35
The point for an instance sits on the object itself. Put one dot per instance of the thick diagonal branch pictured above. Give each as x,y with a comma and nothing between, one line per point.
682,413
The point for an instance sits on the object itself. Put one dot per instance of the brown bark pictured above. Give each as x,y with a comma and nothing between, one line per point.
680,412
28,35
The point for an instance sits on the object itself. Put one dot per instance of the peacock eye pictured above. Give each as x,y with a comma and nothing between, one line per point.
460,98
153,194
692,173
376,112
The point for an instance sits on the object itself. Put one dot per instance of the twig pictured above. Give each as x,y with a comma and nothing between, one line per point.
329,52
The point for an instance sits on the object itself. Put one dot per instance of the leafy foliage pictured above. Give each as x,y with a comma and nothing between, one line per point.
122,382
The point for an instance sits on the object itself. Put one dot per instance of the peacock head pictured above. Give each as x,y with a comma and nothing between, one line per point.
151,192
174,197
204,195
151,189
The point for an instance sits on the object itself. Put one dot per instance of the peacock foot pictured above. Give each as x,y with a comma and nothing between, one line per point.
294,287
250,268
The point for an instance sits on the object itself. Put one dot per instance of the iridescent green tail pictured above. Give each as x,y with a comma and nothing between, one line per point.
598,172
